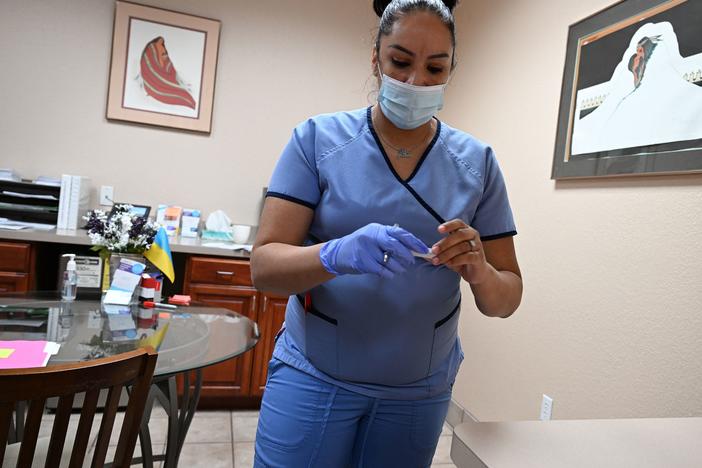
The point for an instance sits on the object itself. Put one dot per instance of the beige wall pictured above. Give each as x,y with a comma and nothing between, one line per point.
611,318
610,323
279,62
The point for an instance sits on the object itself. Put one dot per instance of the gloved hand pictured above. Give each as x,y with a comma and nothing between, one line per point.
364,250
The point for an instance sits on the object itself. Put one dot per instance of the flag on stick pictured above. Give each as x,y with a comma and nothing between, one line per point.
160,254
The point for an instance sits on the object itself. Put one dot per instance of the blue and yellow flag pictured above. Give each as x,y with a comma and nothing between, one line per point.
156,339
160,254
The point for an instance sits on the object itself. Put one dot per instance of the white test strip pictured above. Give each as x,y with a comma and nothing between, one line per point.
427,255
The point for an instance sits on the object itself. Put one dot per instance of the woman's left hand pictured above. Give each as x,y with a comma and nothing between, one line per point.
461,251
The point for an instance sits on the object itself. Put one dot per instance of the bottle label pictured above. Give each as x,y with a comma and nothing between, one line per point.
146,294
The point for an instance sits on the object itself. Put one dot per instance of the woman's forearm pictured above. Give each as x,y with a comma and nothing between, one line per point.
499,295
287,269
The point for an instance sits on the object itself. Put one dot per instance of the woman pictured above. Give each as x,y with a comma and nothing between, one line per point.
363,368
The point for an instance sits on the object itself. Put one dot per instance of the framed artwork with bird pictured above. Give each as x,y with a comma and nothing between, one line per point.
163,68
631,97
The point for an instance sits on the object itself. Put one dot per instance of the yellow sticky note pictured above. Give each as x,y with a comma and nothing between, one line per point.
6,353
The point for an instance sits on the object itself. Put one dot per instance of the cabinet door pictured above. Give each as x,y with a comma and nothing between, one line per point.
13,282
270,318
231,378
15,257
16,267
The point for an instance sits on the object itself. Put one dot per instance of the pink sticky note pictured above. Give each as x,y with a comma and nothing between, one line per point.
25,354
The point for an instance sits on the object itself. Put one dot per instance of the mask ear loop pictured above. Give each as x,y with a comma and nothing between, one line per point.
380,72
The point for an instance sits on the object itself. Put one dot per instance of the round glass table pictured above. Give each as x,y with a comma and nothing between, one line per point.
187,339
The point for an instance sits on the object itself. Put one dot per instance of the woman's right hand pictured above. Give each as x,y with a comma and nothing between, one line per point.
375,248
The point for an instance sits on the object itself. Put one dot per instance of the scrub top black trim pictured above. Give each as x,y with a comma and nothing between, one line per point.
282,196
405,183
498,236
316,312
448,317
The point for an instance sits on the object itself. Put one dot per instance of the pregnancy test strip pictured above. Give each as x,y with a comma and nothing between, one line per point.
427,255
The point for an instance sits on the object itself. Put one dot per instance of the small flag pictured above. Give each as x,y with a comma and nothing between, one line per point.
155,340
160,254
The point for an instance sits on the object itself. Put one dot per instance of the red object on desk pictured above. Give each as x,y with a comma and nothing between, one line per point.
179,299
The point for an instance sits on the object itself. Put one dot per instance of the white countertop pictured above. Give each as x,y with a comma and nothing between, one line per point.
189,245
600,443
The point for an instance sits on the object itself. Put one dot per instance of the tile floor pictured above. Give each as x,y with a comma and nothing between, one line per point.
223,439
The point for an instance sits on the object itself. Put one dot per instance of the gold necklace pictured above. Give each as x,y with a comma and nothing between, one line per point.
403,153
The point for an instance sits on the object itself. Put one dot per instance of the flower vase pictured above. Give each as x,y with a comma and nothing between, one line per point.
112,265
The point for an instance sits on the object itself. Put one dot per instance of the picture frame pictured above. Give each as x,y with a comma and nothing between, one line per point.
163,68
142,211
631,96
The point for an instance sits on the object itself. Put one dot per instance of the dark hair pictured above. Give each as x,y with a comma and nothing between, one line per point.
390,11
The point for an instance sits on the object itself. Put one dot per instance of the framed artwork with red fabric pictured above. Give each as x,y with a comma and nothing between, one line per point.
163,68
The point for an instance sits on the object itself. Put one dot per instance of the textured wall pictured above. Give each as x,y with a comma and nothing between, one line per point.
279,62
610,322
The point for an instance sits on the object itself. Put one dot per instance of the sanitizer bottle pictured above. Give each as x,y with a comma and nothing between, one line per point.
70,279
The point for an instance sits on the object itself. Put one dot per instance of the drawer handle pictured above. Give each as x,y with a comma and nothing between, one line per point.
225,273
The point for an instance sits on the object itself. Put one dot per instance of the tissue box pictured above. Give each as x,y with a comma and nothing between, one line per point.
190,223
217,235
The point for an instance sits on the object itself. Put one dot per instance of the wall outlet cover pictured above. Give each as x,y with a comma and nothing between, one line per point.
546,407
106,195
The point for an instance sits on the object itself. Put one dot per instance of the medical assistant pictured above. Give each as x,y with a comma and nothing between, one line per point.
384,338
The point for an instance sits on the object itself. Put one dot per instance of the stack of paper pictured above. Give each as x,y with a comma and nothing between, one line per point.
229,246
23,354
16,225
9,174
73,202
50,181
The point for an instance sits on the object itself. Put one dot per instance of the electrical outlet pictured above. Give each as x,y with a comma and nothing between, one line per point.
106,195
546,407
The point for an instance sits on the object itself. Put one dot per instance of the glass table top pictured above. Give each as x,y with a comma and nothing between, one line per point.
187,338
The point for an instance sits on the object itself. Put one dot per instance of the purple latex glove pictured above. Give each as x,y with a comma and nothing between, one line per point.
364,250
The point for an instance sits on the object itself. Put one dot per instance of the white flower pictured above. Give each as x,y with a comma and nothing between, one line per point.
114,234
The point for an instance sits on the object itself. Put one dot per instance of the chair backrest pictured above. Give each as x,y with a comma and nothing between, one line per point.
64,381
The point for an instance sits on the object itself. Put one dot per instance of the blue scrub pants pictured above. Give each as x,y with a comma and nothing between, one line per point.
306,422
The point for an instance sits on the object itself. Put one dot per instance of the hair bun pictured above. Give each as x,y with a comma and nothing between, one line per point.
450,4
380,5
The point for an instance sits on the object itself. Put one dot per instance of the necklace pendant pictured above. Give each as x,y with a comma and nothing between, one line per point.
403,153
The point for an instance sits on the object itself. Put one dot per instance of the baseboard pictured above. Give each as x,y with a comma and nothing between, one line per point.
457,414
468,416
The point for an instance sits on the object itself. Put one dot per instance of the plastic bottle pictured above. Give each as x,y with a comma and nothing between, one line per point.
70,279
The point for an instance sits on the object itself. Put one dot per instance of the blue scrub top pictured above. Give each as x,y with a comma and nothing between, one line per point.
386,338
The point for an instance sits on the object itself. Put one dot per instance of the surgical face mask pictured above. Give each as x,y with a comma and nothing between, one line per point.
409,106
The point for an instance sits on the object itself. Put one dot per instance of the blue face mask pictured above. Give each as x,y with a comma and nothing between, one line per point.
409,106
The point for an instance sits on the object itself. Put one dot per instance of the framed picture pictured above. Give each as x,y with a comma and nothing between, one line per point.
163,68
142,211
631,99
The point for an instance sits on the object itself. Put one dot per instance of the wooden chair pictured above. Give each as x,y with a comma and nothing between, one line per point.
64,381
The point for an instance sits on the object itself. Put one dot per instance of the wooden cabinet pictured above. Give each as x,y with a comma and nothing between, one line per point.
16,267
270,318
227,283
230,378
